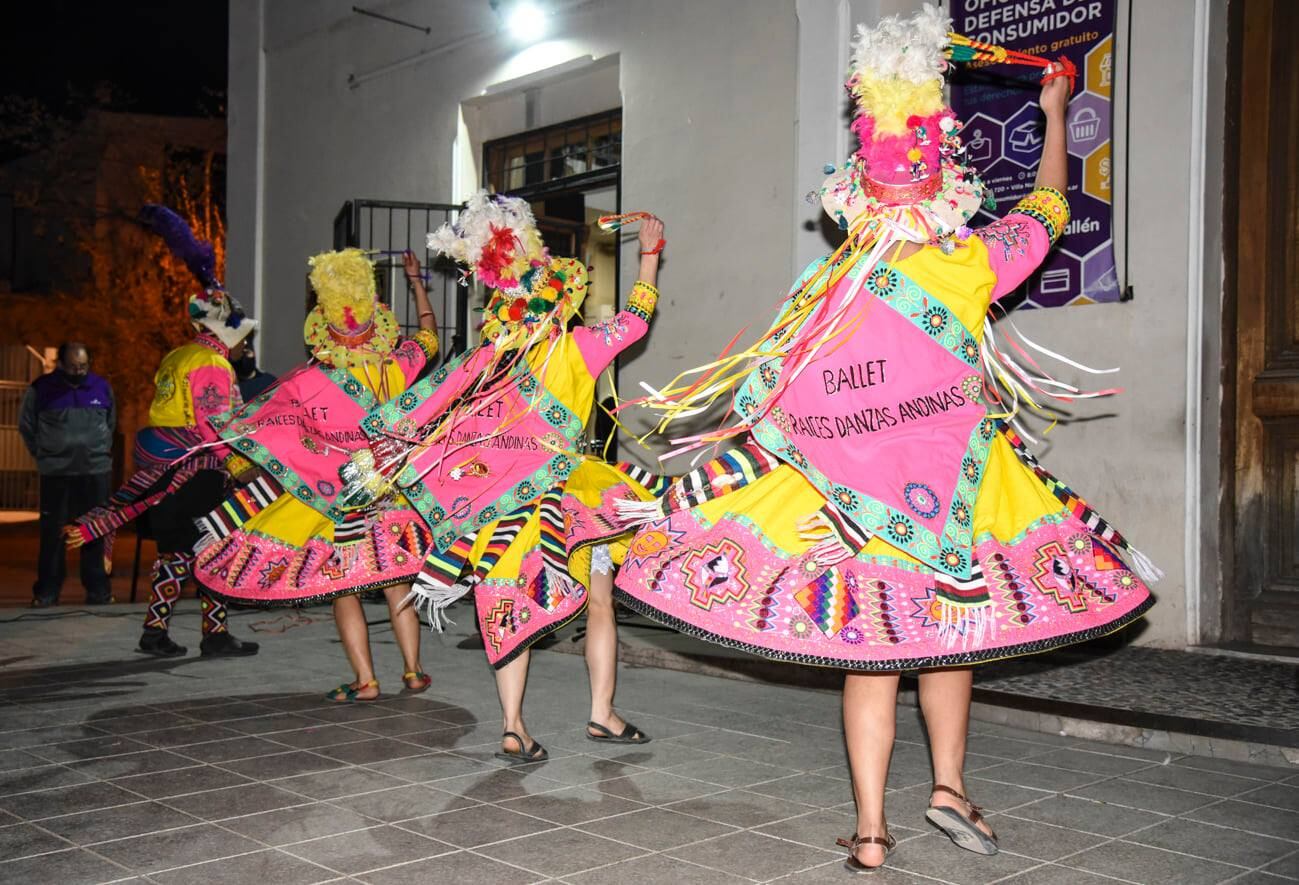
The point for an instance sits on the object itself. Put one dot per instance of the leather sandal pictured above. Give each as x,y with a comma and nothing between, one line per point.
522,756
962,830
425,681
630,734
347,693
852,864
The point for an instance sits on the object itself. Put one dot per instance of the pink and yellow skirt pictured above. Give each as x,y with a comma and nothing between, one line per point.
289,554
736,570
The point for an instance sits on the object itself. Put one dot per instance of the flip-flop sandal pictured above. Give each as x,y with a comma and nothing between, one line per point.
962,830
630,734
347,693
425,681
535,753
852,864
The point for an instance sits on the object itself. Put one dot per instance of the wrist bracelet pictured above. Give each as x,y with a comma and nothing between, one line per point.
657,248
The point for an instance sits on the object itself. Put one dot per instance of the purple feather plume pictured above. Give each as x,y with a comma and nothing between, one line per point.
199,255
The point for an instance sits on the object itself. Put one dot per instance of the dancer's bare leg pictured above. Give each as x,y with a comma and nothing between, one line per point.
945,702
349,617
602,652
869,725
511,683
406,628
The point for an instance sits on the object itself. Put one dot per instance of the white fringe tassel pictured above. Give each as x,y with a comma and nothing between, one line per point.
566,584
433,601
635,513
978,621
1145,567
206,537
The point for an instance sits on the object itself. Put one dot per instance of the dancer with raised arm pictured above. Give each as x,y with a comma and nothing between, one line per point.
882,515
285,539
182,469
489,450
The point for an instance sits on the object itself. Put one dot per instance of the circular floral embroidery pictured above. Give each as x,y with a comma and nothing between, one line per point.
797,458
961,513
935,320
326,488
987,429
882,281
407,401
954,560
900,529
528,385
1079,544
524,614
852,635
488,514
846,498
800,629
556,414
922,500
276,468
767,372
1126,581
971,350
972,387
525,490
969,469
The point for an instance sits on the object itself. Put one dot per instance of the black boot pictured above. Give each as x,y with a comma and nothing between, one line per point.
157,642
223,645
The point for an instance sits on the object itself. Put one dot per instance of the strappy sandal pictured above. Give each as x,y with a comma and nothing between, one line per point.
962,830
425,681
630,734
535,753
347,693
852,864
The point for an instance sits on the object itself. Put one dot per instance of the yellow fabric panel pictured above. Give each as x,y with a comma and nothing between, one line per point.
1011,498
172,405
292,522
776,503
386,385
588,484
962,281
567,378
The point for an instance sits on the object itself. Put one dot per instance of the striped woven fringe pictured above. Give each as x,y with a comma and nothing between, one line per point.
439,583
837,537
720,476
236,510
1141,563
654,483
353,527
965,609
160,454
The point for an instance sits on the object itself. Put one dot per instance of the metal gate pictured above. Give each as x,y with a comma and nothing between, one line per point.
388,229
19,482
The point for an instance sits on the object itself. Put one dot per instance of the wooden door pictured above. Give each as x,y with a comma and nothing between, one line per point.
1262,596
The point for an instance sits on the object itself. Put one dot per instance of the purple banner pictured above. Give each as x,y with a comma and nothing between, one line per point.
1004,131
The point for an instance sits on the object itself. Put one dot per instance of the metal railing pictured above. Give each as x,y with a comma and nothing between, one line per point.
388,228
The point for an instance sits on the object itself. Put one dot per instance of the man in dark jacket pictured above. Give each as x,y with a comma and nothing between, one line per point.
67,421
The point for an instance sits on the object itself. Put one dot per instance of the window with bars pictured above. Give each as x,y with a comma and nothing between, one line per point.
563,155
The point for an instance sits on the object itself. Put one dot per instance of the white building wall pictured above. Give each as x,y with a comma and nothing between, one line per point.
723,134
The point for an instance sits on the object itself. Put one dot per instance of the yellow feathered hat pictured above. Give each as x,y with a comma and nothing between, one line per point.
347,326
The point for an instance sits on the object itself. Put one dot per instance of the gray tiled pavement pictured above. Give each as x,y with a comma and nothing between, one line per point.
115,767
